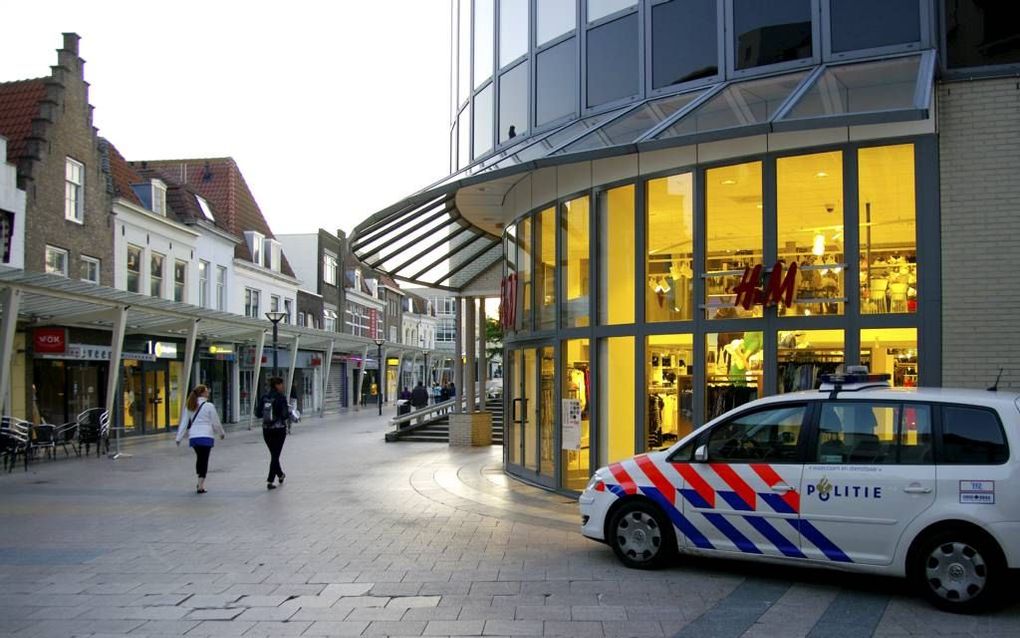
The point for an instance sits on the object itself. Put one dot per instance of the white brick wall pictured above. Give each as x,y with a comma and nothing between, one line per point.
979,156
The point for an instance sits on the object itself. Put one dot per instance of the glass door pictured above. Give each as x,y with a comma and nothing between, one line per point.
531,437
155,397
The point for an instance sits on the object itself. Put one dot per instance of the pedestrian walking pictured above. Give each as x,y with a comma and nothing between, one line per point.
202,425
444,393
419,396
274,411
405,395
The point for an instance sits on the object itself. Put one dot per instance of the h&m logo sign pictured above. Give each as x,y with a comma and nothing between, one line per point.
755,289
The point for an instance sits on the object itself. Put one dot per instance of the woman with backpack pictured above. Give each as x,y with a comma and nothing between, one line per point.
274,411
202,424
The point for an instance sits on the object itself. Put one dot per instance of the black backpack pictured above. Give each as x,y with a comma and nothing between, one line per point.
268,418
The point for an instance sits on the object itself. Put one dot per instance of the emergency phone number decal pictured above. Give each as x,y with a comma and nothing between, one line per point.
977,492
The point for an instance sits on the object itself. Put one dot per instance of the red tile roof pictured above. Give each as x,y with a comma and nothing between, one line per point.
123,176
19,104
220,182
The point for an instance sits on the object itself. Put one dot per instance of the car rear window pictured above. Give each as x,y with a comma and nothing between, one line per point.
972,436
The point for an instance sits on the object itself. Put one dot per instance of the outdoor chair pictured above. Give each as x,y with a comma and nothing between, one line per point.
43,440
14,440
66,435
94,429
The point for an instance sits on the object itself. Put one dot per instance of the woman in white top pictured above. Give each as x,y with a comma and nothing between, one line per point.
201,424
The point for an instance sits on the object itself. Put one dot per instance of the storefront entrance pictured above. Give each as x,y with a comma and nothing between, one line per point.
64,389
152,396
531,405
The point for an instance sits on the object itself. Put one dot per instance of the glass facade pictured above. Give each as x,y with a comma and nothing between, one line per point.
483,122
613,61
626,50
711,251
980,34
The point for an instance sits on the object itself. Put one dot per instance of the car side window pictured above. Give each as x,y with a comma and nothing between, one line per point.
972,436
769,436
866,433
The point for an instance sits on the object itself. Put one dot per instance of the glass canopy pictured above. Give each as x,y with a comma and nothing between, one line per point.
425,240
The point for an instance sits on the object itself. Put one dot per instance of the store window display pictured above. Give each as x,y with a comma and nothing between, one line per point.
809,221
891,351
669,236
669,361
547,411
805,355
733,235
888,229
577,388
733,366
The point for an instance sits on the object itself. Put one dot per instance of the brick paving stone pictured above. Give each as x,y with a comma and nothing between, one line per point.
633,628
395,589
267,613
513,628
395,628
336,628
221,628
376,613
260,601
432,613
215,614
168,627
487,613
363,601
199,601
567,628
411,602
454,628
346,589
334,613
543,612
598,612
273,629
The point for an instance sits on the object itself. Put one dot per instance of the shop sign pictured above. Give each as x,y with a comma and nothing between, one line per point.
221,348
571,424
50,340
755,289
164,349
86,352
508,302
392,361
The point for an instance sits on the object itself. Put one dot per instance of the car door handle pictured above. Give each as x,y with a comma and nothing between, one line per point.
782,488
917,489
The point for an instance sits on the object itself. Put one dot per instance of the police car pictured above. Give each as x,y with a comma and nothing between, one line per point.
858,476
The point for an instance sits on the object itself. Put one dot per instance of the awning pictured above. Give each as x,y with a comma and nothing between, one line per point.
423,239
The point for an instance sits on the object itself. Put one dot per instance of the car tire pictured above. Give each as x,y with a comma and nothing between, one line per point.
641,536
959,571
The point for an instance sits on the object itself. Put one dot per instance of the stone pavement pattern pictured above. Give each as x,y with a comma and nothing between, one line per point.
368,538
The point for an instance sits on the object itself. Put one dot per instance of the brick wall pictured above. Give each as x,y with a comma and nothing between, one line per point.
979,149
64,129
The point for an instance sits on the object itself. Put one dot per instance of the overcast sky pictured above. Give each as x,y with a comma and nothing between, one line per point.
333,110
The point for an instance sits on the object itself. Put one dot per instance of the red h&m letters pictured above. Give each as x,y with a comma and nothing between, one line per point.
777,288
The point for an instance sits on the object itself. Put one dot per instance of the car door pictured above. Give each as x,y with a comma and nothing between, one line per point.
740,489
871,472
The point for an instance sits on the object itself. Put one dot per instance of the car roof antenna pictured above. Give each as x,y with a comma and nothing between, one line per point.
995,386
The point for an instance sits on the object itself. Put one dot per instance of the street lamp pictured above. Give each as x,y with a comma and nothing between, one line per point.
379,383
276,317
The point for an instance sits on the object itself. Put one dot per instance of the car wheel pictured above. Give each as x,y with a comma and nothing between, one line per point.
959,571
641,536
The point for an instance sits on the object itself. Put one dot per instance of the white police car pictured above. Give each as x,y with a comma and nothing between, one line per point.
857,476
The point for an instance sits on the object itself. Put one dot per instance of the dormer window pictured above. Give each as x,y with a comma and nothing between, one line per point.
159,197
273,255
256,241
357,280
204,205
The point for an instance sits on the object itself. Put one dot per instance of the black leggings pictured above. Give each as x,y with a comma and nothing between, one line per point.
274,438
202,459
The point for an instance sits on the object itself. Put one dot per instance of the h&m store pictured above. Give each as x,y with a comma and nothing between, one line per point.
697,204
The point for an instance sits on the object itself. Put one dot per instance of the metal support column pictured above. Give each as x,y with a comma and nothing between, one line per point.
470,362
11,300
361,377
113,374
327,364
384,382
293,364
483,364
458,353
255,390
189,366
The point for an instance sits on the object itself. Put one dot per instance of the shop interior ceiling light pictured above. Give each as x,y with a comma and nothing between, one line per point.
819,246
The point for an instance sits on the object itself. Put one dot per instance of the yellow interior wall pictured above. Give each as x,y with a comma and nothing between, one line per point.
617,397
618,256
19,376
576,260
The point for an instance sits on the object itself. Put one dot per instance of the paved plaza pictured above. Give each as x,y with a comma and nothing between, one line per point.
369,538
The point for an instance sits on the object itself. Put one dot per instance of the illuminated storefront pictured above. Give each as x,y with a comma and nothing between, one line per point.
692,204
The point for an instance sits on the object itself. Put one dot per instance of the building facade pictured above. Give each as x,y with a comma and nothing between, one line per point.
703,202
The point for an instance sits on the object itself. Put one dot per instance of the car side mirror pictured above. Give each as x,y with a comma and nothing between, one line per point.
701,453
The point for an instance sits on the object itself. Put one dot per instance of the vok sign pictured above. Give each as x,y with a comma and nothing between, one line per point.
756,288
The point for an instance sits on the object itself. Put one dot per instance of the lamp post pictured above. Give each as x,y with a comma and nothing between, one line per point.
276,317
379,382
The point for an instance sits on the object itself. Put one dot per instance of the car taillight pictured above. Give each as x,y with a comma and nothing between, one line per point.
600,486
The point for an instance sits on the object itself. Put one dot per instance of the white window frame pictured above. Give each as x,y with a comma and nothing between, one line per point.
204,205
127,261
92,261
159,197
329,268
203,283
221,288
288,308
159,287
252,302
183,283
74,191
53,250
274,303
256,244
329,318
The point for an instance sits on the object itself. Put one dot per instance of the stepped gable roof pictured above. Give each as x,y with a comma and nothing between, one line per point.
19,105
124,176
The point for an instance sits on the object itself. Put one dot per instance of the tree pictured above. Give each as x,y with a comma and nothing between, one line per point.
493,339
